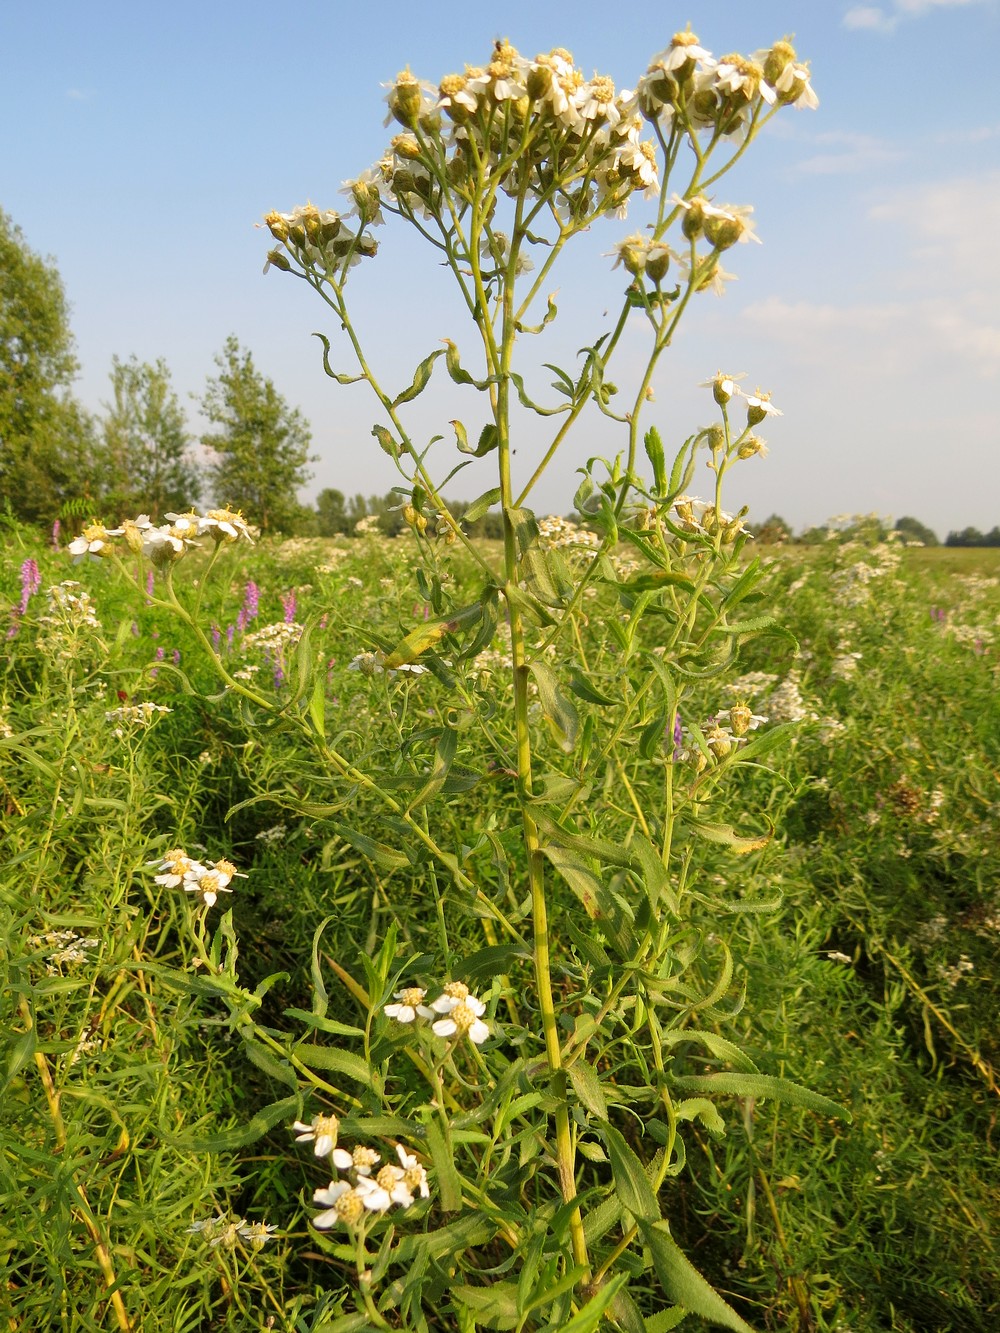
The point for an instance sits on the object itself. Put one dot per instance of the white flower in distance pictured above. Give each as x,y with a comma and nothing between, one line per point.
411,1003
257,1234
465,1017
321,1132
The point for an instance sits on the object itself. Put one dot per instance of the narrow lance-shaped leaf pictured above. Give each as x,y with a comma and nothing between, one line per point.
421,376
341,379
431,632
682,1282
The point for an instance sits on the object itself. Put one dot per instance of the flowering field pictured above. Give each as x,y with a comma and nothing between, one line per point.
229,998
593,928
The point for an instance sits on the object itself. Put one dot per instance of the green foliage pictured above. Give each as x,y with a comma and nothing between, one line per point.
45,436
261,445
145,445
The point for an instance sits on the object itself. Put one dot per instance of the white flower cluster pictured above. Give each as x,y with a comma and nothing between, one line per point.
223,1232
373,664
164,543
555,533
274,639
455,1011
361,1187
545,131
135,715
699,517
67,948
207,881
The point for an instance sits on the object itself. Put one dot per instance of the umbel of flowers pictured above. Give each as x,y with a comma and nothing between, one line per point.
568,147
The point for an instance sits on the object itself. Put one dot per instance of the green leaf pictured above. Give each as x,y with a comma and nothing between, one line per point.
386,442
380,855
265,1060
726,836
341,379
430,632
444,754
495,1303
448,1180
239,1136
320,1023
587,1087
584,688
331,1057
631,1182
764,1085
700,1108
654,452
546,575
421,376
592,1313
525,527
682,1282
455,370
557,709
488,440
719,1046
480,505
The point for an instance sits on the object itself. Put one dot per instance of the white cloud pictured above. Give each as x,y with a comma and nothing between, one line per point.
846,153
875,19
869,17
79,94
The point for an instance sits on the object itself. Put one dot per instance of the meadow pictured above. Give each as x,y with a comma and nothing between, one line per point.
157,1050
595,928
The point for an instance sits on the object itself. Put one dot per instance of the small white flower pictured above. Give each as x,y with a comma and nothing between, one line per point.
414,1175
257,1234
410,1005
343,1204
465,1017
321,1132
361,1160
387,1188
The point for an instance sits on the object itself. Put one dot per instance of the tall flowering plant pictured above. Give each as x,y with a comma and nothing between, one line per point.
549,1080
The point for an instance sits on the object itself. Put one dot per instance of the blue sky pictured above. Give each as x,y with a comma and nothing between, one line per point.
143,142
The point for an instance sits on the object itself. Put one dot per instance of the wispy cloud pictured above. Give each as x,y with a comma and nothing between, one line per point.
939,316
878,18
843,153
79,94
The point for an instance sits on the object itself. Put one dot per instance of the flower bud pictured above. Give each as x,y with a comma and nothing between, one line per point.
275,259
715,437
751,446
723,230
740,717
780,55
277,225
657,263
405,146
405,100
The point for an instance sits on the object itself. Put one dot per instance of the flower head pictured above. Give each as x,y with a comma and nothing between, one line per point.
464,1018
321,1132
411,1003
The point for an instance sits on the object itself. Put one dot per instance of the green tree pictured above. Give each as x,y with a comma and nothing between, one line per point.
145,443
45,436
915,531
261,445
773,531
331,508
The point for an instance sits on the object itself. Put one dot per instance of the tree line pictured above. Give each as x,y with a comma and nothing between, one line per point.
59,461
